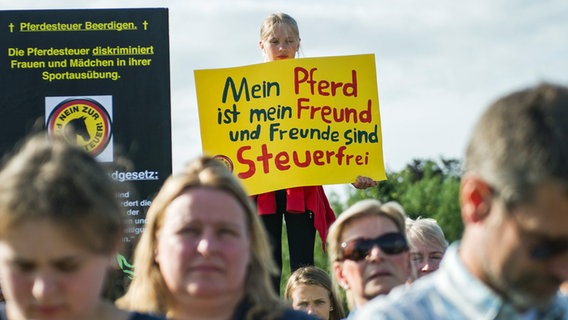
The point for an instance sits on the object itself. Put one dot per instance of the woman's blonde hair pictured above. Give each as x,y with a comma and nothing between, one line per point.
426,231
148,292
364,208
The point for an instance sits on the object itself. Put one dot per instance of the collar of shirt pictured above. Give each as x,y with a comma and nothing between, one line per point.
478,300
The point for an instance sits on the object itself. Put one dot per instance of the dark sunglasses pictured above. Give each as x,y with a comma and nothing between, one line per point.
358,249
548,249
543,250
540,248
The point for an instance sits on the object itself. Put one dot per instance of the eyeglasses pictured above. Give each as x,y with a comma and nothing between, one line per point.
548,249
539,248
358,249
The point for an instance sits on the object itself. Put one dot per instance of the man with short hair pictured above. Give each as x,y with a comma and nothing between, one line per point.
513,255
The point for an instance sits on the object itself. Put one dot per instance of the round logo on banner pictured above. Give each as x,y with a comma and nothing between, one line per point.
83,122
225,160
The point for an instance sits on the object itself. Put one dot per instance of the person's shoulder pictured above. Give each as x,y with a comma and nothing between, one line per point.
562,301
402,302
144,316
290,314
3,311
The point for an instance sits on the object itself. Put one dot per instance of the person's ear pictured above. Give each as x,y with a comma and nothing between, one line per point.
475,198
156,254
338,272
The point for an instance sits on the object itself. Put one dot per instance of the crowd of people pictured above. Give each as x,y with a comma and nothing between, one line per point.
208,250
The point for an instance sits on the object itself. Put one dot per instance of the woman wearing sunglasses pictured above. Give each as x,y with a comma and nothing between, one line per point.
368,250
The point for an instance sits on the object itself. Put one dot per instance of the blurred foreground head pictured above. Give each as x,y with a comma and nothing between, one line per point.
514,196
60,228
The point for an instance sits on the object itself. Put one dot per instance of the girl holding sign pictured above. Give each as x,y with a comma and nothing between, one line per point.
306,209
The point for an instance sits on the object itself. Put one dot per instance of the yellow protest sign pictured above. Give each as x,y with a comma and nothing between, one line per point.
295,122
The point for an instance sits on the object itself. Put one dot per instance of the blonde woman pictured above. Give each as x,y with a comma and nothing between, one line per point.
427,245
368,250
204,253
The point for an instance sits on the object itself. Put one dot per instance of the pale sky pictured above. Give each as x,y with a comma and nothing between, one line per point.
439,62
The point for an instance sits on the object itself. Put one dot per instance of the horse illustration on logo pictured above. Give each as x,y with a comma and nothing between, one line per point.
76,128
82,121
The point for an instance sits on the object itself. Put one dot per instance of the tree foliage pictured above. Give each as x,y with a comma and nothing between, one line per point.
425,187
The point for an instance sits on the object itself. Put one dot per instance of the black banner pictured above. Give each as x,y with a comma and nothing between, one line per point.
99,77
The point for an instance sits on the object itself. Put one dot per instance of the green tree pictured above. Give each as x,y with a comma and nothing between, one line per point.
425,187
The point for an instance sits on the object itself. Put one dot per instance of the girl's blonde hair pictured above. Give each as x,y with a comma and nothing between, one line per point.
267,27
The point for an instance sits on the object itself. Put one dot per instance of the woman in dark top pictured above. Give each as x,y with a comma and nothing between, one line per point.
204,253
